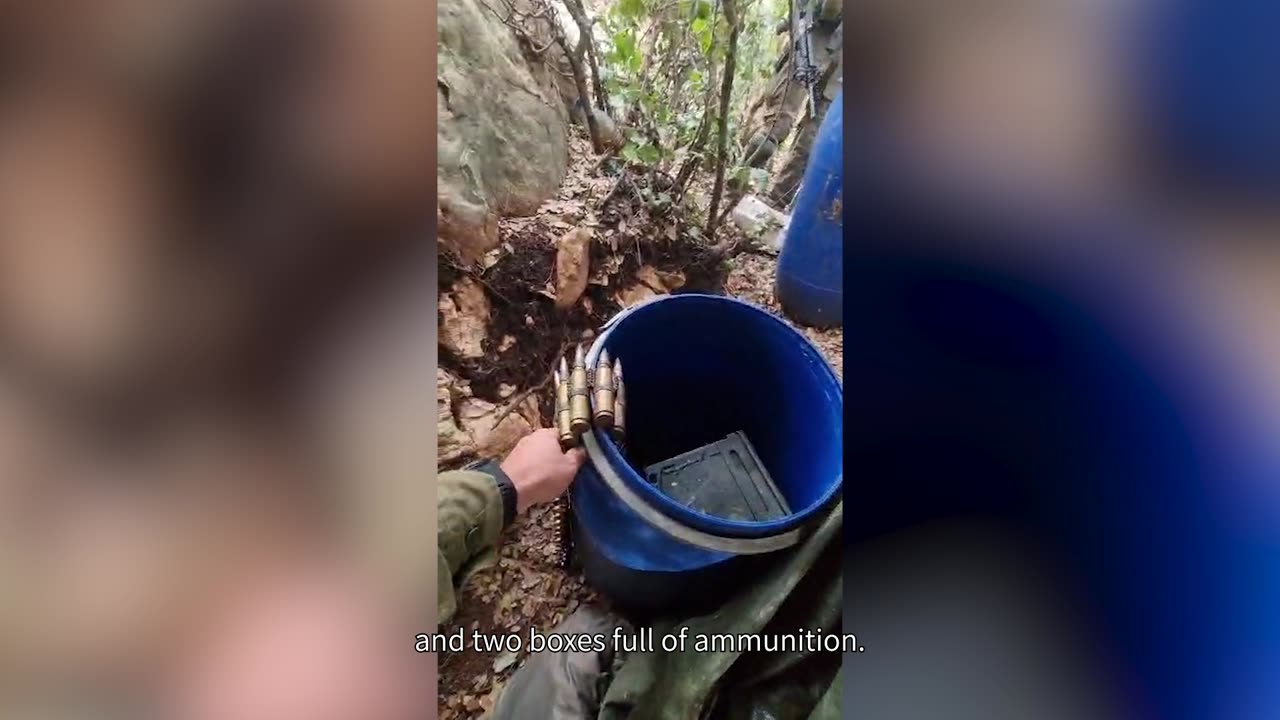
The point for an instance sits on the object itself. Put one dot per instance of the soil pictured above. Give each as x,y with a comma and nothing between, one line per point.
527,333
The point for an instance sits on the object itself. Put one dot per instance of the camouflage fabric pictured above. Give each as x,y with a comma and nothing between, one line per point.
789,165
469,524
775,113
803,590
566,685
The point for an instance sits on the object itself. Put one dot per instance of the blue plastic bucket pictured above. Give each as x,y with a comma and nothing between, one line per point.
698,367
810,282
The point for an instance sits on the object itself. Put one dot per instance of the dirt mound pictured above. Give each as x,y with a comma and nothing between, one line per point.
637,251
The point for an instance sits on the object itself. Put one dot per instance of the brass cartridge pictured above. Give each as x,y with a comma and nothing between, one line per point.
579,395
563,429
619,428
604,392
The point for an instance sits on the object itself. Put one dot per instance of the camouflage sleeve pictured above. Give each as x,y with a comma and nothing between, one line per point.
470,521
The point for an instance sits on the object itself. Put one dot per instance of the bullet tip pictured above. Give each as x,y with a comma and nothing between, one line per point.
579,357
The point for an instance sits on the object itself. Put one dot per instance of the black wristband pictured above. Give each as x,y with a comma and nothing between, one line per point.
506,489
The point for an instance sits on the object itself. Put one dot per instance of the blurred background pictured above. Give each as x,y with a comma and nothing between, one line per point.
215,469
214,347
1064,274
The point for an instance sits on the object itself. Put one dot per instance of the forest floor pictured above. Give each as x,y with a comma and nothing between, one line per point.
641,247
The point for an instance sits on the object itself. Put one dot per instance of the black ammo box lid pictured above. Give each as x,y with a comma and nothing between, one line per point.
724,478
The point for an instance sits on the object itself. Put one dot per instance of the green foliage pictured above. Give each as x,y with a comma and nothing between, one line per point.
644,154
750,179
625,56
662,60
631,9
703,32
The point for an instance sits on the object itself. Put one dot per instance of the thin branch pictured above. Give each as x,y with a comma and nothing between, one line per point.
617,185
587,40
533,389
523,396
726,90
523,34
593,129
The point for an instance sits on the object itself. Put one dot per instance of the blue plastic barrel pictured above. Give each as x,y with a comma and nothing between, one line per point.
1210,80
810,282
1065,377
698,367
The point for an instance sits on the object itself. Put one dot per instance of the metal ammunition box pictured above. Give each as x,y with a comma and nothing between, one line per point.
725,479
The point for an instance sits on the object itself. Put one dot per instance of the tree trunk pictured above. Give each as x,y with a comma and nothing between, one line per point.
575,64
726,89
586,39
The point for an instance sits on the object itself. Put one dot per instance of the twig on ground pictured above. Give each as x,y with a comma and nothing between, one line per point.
612,191
534,388
492,289
632,184
751,248
477,276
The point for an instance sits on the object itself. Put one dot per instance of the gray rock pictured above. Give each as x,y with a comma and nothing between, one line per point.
502,146
610,135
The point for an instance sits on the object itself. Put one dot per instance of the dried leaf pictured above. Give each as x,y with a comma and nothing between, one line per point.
492,257
488,701
672,280
573,267
634,295
505,661
660,281
464,318
601,272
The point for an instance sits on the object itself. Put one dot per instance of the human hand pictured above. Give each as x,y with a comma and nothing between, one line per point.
539,469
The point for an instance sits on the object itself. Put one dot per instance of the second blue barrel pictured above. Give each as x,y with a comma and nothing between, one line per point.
697,368
810,283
